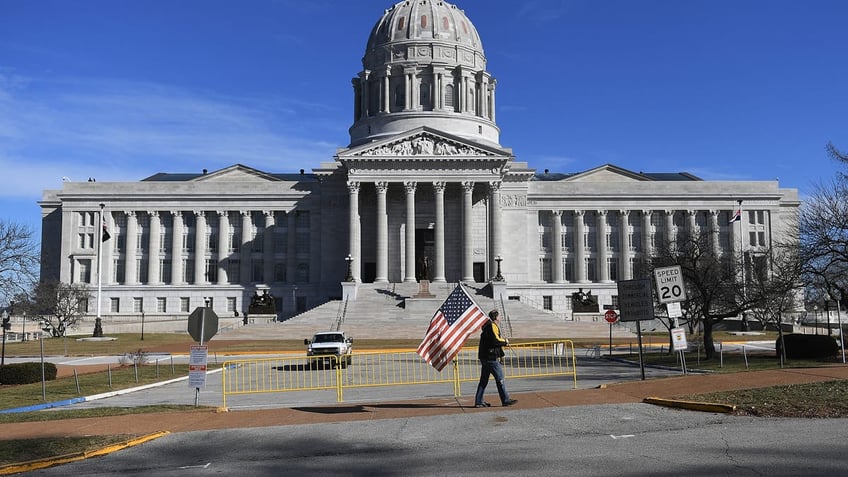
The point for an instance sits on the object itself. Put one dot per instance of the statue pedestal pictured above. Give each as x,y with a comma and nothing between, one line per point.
424,290
499,290
349,290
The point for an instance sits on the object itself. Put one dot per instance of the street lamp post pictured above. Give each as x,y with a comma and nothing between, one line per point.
498,276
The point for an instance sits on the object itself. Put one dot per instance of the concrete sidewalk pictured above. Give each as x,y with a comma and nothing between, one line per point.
619,393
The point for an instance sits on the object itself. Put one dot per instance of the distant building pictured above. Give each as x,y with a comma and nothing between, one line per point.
424,175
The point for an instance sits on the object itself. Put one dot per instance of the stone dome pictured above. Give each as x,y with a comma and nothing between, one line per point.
424,66
423,22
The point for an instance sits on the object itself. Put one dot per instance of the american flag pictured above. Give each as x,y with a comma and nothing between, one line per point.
736,216
450,327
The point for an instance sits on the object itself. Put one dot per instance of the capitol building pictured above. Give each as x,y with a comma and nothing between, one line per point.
423,190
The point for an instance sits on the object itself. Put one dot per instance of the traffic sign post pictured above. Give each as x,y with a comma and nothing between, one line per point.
636,304
202,326
611,316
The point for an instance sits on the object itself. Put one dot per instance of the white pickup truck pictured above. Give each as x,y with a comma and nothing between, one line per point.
330,343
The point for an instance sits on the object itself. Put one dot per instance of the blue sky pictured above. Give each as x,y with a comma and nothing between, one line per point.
121,90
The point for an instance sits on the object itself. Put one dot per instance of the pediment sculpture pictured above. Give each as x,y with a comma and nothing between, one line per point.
424,146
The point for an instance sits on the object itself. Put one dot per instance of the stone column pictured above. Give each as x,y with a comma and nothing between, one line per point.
382,233
692,223
467,245
153,248
556,246
410,231
387,92
291,246
603,249
177,277
715,233
624,272
268,248
495,225
580,246
245,253
439,232
354,246
363,94
200,248
669,231
131,268
647,248
223,245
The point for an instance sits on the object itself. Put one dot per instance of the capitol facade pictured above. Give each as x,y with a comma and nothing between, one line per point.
424,190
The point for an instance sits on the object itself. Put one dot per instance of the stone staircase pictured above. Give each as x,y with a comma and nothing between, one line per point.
391,311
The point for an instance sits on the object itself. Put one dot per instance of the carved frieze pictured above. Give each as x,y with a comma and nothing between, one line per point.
424,145
513,200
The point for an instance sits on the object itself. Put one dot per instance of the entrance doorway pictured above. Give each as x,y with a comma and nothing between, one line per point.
424,247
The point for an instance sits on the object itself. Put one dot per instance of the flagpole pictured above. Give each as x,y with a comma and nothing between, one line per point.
97,322
742,260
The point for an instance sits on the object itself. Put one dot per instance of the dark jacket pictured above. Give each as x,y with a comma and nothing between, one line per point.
491,342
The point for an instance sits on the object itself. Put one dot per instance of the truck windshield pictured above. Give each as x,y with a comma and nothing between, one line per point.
328,338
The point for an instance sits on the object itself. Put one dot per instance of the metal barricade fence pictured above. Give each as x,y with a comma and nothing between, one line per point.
389,368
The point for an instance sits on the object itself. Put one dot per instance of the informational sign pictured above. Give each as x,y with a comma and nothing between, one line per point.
674,310
678,338
611,316
197,366
635,300
670,284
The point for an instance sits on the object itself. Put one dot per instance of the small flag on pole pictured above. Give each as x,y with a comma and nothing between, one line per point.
106,235
450,328
736,217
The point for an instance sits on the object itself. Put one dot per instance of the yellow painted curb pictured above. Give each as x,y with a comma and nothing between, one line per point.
691,405
64,459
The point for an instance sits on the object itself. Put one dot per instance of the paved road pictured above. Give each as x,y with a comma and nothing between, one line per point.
619,440
590,374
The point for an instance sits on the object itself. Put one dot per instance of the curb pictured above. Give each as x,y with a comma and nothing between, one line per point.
691,405
64,459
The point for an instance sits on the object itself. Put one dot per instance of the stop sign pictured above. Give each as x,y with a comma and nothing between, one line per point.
202,324
611,316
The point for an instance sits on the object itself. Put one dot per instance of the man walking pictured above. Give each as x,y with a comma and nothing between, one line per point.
489,352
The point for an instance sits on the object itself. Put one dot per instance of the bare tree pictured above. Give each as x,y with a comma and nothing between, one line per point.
823,226
60,305
777,289
18,260
714,285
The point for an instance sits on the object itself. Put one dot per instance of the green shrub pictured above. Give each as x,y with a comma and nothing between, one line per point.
26,373
808,346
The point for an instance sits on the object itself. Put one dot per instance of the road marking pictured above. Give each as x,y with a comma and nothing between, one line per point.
195,466
623,436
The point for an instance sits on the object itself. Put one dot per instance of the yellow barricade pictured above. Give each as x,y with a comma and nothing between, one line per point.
389,368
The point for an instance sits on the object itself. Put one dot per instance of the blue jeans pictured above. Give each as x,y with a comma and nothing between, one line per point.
494,368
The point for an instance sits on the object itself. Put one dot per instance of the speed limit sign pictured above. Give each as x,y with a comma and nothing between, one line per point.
670,287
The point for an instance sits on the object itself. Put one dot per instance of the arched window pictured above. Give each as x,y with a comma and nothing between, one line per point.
449,96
